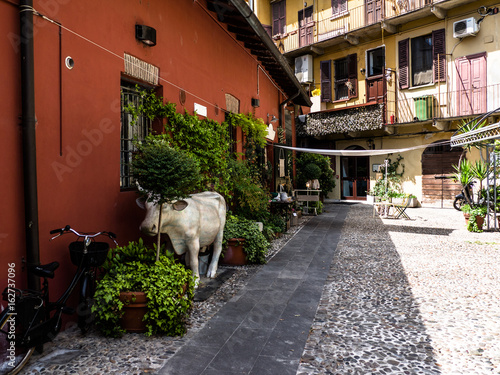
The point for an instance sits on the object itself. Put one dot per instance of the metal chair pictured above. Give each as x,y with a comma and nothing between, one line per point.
400,209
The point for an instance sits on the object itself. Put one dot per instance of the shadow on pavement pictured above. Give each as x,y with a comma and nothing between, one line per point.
368,321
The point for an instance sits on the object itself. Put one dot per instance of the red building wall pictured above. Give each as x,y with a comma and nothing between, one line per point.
78,110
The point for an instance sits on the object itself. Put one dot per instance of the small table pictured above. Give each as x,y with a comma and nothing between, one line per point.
307,195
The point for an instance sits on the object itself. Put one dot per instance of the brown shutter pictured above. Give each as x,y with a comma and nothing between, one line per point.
404,62
438,54
352,74
276,19
325,68
282,21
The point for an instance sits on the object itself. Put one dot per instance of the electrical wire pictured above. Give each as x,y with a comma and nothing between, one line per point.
37,13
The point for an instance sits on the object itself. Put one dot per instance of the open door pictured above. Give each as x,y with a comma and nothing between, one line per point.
355,176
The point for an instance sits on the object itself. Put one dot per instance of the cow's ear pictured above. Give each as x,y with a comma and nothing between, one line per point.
180,205
141,202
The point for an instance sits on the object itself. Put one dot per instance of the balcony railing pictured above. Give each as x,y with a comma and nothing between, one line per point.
329,26
442,105
438,108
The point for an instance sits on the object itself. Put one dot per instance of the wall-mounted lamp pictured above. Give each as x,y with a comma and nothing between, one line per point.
362,71
145,34
273,118
371,144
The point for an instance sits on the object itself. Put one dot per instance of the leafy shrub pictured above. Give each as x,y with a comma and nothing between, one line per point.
168,285
326,178
256,245
250,199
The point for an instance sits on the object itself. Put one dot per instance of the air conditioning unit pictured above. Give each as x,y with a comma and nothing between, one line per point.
304,68
466,27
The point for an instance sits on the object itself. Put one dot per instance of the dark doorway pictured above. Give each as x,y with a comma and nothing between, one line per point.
355,176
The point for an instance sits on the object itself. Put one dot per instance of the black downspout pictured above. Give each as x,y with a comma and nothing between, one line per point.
280,115
28,122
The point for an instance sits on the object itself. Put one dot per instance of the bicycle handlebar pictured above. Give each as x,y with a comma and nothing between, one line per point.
68,229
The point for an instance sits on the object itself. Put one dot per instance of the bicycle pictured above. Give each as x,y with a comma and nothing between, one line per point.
31,320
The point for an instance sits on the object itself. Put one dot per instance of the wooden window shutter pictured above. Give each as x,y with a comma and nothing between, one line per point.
404,61
325,68
439,55
276,19
352,74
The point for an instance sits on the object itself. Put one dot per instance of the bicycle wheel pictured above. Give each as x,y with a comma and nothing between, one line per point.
84,310
12,357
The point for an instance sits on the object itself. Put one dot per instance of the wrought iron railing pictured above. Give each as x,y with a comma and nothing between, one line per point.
441,104
330,25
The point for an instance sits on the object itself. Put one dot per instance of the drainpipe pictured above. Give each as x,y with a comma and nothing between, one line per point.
280,115
28,122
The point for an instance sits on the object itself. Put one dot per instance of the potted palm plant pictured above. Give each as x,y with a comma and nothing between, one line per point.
475,209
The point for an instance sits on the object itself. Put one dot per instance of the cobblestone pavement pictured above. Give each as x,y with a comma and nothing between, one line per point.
416,296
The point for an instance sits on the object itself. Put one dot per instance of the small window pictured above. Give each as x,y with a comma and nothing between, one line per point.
130,132
346,77
375,62
421,62
339,7
341,77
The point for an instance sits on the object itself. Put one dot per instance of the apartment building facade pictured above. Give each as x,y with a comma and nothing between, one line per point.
390,74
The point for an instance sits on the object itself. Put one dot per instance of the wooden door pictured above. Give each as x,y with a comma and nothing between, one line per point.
375,89
373,11
355,177
437,165
471,84
306,26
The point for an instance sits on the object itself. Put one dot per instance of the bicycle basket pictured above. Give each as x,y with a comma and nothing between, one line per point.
95,257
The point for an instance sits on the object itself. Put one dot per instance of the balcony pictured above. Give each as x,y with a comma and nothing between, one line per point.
436,108
359,24
442,106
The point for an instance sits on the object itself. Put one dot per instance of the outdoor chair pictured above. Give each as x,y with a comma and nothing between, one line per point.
400,209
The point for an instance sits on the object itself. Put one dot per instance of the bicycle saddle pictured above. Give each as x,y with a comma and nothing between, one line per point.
45,270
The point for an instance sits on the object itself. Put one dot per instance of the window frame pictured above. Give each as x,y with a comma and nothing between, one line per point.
339,8
130,132
369,66
405,60
351,75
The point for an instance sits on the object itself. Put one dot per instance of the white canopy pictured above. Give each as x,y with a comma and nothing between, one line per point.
356,152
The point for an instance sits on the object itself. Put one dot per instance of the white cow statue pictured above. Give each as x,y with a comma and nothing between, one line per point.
190,223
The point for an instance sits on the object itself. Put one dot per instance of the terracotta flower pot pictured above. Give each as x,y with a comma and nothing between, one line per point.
234,255
479,220
134,309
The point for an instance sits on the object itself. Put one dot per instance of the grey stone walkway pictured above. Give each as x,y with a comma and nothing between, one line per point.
264,328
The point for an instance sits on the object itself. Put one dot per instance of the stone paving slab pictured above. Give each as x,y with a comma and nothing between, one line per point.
268,321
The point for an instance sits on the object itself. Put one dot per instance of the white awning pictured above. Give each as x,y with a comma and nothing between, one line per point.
357,152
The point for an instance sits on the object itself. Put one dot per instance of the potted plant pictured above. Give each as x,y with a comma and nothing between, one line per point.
239,231
164,174
474,217
163,288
